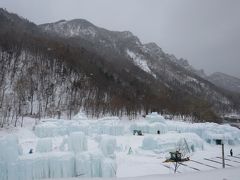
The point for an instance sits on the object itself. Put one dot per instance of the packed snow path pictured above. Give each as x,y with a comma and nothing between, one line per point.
219,174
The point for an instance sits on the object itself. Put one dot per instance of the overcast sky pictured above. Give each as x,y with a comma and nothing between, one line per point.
205,32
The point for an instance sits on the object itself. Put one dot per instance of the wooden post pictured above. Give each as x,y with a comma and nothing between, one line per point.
223,159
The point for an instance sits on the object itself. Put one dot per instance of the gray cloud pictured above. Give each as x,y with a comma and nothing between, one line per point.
206,32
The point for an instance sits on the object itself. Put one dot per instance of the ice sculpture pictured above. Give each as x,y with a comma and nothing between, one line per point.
83,164
169,142
155,117
108,145
94,164
44,145
42,165
9,149
109,167
107,125
151,128
50,128
81,116
77,142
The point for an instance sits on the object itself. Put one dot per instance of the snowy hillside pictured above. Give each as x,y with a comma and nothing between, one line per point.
175,74
55,69
225,81
107,148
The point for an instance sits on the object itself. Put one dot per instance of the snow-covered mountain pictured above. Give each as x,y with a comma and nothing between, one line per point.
68,65
123,43
225,81
176,74
219,79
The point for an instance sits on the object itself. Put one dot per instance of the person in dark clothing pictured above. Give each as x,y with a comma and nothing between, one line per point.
31,151
231,152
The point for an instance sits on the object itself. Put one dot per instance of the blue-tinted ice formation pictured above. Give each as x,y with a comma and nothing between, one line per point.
74,157
45,163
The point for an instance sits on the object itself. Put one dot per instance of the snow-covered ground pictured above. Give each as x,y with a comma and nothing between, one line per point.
107,148
219,174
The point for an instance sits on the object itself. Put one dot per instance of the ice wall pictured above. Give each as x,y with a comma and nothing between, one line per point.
107,125
42,165
51,128
207,131
83,164
9,149
44,145
149,128
9,153
108,145
109,167
58,165
77,142
94,164
45,163
170,141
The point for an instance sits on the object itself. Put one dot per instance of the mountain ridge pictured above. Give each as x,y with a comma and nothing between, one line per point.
101,71
140,52
225,81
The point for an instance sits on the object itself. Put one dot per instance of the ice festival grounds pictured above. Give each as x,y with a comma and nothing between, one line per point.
107,148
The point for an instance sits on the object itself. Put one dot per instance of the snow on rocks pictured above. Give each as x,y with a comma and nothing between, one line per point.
139,61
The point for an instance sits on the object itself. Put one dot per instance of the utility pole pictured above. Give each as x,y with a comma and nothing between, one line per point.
223,159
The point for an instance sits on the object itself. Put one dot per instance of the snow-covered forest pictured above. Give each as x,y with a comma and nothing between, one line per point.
47,74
